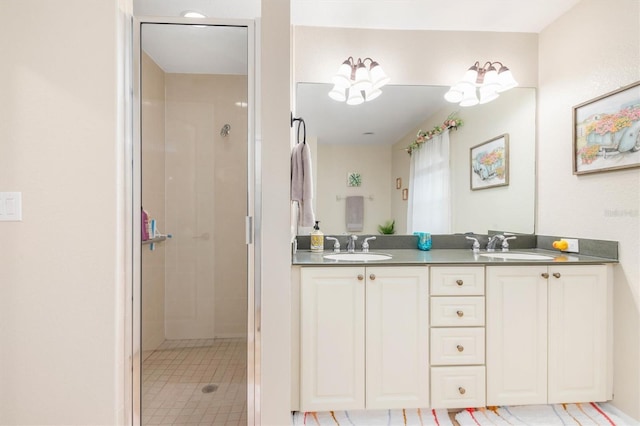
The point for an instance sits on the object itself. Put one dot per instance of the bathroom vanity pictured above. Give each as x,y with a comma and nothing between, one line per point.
449,328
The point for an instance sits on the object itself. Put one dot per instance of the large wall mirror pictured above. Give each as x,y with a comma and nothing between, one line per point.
371,139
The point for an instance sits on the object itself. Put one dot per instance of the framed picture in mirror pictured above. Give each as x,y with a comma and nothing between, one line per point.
489,163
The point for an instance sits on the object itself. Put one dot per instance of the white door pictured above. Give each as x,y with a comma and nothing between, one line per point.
577,333
332,361
516,331
397,329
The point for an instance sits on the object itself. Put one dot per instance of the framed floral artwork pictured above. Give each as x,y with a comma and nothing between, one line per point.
354,179
606,132
490,163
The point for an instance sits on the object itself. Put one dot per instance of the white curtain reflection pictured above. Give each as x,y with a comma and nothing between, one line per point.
429,208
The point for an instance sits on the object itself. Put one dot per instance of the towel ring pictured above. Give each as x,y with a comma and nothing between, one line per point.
302,124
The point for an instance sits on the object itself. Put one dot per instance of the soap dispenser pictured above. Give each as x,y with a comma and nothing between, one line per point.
317,239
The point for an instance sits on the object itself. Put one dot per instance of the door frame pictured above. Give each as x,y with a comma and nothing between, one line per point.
133,324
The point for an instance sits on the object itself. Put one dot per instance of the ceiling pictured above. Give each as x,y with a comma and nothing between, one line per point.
397,109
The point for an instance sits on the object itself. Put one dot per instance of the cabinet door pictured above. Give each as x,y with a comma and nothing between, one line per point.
397,373
516,331
332,358
577,333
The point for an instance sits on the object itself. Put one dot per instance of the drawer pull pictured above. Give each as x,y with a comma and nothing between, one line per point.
372,277
545,275
460,314
462,390
360,277
556,274
460,348
459,282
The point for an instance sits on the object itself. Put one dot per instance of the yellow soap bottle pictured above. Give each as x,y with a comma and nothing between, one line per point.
317,239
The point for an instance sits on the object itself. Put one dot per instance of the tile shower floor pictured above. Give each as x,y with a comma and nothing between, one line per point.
195,382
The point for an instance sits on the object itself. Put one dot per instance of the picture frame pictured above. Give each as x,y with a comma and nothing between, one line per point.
489,163
354,179
606,132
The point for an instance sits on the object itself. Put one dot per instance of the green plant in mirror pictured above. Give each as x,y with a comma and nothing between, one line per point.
387,228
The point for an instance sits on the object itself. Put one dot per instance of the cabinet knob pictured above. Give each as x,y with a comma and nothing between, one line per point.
459,282
360,277
556,274
460,348
545,275
462,390
460,313
372,277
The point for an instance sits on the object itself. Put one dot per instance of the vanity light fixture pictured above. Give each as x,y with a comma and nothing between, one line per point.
486,81
355,82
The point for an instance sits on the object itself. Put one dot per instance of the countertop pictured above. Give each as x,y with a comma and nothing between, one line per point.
448,257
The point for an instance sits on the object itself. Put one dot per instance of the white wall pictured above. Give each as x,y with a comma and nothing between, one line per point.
591,50
275,155
372,162
62,292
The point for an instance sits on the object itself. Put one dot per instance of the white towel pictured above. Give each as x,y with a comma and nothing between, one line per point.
302,183
354,208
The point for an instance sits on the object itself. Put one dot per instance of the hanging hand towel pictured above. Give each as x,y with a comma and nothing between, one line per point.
302,183
354,207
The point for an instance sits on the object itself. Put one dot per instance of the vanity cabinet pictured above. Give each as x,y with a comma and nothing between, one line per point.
457,345
364,338
548,336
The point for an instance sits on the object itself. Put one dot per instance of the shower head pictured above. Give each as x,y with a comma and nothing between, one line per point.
225,130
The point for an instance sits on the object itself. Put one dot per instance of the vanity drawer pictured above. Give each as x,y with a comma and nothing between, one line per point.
457,346
457,311
457,281
458,387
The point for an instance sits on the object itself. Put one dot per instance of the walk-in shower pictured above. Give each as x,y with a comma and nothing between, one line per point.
195,288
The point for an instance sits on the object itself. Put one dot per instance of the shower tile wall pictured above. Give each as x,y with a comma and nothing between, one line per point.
194,185
205,206
153,200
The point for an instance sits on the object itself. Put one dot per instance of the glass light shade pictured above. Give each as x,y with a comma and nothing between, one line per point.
491,79
471,76
454,95
362,81
469,98
488,93
338,93
343,77
378,77
506,80
371,94
355,97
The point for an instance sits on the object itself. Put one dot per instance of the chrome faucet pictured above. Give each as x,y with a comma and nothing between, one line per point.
336,244
491,245
365,244
351,245
476,245
505,242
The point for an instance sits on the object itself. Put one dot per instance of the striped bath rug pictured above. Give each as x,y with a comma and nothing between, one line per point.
409,417
545,415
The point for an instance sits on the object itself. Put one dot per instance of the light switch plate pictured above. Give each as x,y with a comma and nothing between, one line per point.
11,206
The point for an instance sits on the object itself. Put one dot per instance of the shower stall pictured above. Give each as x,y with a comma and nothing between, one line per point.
194,181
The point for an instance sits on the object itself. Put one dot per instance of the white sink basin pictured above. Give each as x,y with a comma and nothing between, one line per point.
357,257
517,256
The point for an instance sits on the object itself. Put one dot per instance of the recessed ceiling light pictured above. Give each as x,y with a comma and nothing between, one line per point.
192,14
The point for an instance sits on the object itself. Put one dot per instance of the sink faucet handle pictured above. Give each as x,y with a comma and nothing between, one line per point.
505,242
365,244
476,245
336,244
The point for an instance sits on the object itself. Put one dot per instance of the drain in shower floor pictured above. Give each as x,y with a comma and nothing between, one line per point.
209,388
